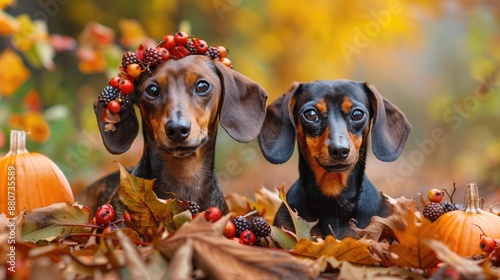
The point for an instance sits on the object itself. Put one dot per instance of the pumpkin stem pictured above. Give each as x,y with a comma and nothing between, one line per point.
472,202
17,142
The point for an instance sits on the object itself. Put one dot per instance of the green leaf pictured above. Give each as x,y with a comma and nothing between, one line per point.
283,239
302,227
44,225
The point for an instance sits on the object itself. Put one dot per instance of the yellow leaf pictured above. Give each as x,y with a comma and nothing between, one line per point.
23,39
132,33
8,24
17,74
349,249
5,3
39,130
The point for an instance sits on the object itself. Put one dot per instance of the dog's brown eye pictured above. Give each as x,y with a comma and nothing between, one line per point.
310,115
357,115
202,87
152,91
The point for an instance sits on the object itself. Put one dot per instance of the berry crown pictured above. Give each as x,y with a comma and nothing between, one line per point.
116,95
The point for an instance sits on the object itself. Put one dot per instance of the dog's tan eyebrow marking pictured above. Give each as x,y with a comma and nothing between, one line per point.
321,106
346,104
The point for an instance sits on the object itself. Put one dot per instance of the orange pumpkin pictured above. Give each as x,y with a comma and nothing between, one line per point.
29,180
459,229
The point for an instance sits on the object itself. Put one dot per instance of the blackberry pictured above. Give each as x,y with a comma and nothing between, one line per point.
152,57
191,48
107,94
433,211
193,207
260,227
241,224
129,58
447,206
213,52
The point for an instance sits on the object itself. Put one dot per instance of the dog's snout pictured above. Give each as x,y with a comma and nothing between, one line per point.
339,149
339,152
179,130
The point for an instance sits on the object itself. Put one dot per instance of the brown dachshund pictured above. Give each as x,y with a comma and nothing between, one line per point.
181,103
331,121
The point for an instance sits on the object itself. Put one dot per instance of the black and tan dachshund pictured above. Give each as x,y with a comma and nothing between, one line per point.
331,121
181,103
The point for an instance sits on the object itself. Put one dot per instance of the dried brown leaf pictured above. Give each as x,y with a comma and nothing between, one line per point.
211,249
411,250
467,268
133,259
352,271
349,249
383,228
181,265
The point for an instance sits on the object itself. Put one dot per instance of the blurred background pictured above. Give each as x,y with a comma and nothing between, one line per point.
438,61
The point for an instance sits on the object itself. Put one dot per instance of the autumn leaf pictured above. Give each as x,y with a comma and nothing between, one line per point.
3,223
383,228
467,268
302,227
349,249
5,3
411,249
8,24
147,211
17,74
266,202
221,258
36,126
133,34
352,271
46,224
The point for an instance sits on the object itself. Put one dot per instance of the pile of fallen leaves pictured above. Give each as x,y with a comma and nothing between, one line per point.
165,242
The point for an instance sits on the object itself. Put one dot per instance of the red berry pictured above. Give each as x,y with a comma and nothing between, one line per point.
104,215
202,47
181,38
435,195
227,62
222,51
126,86
165,54
114,82
107,205
229,230
213,214
168,42
134,70
248,237
487,244
114,106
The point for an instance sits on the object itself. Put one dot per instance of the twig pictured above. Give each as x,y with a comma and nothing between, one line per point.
451,196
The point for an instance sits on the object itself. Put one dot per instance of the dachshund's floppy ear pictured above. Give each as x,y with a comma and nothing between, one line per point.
390,127
243,105
277,138
119,140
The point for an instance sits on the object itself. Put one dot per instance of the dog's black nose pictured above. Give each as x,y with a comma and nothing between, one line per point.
339,152
178,131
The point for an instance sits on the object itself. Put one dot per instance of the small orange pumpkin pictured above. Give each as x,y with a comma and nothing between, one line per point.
458,230
29,180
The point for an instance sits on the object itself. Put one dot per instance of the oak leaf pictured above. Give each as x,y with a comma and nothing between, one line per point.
349,249
221,258
411,250
383,228
147,211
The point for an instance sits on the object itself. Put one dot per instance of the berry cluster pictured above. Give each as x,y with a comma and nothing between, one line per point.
435,208
247,232
117,94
